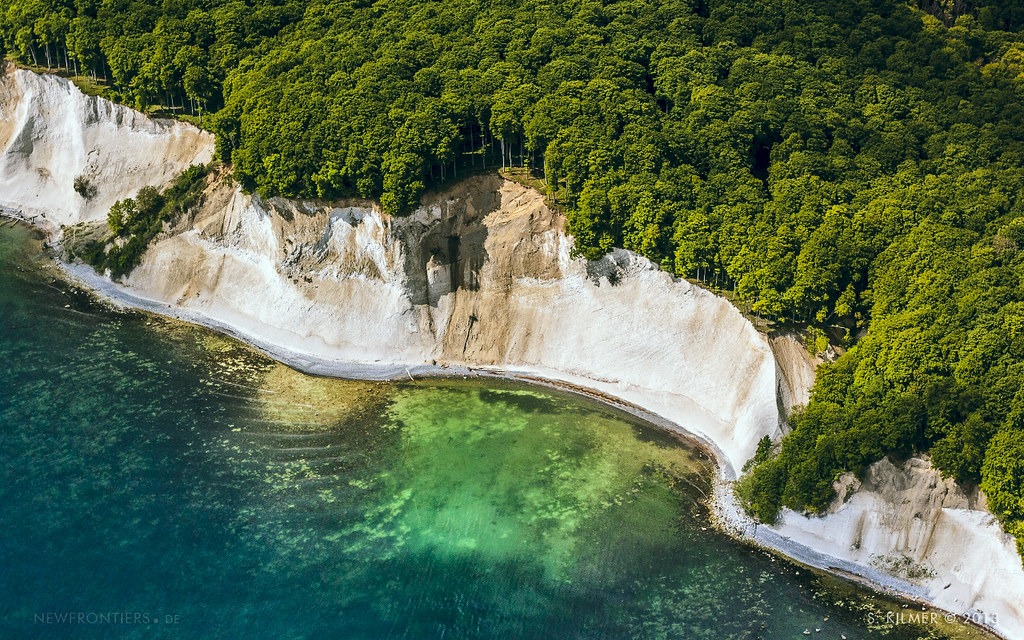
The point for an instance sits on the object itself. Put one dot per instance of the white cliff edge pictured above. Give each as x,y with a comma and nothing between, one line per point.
908,522
482,277
52,134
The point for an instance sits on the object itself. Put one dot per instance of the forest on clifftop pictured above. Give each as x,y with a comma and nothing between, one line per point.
856,167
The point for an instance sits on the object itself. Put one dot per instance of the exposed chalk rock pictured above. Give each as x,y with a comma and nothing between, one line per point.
795,371
908,521
481,276
52,134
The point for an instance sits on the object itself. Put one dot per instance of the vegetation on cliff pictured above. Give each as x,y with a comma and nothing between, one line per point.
134,222
846,164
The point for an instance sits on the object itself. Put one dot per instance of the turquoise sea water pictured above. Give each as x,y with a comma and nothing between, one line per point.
160,481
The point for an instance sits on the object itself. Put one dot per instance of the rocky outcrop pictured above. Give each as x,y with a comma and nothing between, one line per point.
483,276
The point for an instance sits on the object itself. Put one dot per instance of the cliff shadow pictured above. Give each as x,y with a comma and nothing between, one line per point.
446,254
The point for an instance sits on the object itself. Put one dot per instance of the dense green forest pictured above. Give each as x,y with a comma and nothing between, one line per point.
856,167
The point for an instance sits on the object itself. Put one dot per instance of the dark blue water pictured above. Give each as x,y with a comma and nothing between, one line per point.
157,480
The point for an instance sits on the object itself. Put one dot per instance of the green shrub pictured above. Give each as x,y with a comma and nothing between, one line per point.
134,222
85,188
1003,481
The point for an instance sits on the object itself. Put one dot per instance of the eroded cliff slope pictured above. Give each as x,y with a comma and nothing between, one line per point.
51,134
480,276
907,521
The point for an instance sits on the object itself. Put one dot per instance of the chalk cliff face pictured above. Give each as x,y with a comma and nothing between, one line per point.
52,134
482,275
795,371
907,521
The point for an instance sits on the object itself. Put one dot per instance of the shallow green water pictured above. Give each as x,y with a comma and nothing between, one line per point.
157,480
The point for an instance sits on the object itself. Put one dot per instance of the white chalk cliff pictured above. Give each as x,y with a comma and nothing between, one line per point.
479,277
52,134
907,521
482,276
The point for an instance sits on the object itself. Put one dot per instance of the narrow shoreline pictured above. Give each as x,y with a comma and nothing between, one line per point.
726,513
